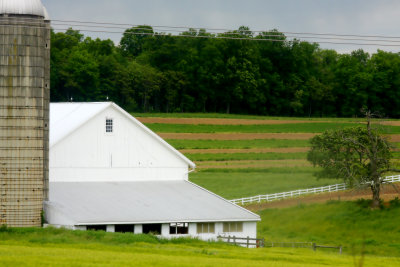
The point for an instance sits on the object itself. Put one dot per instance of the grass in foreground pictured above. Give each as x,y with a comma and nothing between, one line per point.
350,224
68,248
232,184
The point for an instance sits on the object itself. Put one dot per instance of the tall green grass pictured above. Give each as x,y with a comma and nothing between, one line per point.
240,144
246,156
232,184
94,249
350,224
316,127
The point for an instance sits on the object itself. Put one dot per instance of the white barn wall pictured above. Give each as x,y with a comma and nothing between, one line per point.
128,154
249,230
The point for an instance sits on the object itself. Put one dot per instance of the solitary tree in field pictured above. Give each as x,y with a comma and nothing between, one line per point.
359,155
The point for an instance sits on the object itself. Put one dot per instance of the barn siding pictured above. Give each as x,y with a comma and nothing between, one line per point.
128,154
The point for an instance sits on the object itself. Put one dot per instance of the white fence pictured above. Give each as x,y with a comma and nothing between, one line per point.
277,196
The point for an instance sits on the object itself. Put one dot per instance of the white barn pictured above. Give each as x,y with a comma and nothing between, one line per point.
108,171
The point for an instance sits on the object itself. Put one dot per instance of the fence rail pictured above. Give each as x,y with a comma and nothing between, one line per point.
243,241
260,242
296,193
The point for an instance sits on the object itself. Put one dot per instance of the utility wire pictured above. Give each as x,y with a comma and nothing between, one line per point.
230,30
236,33
269,36
236,38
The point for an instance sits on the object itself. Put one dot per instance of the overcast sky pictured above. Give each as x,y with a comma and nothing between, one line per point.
363,17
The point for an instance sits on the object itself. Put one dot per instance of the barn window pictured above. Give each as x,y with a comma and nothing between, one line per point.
109,125
154,229
179,228
124,228
233,227
205,228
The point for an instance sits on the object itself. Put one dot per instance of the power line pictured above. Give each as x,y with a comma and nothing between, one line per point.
230,30
235,38
268,36
233,33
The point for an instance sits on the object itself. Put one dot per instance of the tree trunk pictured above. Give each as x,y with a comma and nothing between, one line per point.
376,190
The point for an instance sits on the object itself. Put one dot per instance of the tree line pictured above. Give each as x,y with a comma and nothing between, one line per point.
157,72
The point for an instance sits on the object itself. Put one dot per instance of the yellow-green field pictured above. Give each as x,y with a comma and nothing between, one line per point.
103,249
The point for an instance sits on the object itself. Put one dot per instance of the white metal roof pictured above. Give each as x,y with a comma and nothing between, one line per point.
65,118
141,202
22,7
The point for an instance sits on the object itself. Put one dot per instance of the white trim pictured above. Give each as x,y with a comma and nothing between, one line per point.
73,129
153,134
168,222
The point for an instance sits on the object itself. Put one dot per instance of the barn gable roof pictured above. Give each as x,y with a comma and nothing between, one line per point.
141,202
65,118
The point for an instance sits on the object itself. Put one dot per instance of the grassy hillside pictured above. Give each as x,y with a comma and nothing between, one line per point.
51,247
236,183
351,224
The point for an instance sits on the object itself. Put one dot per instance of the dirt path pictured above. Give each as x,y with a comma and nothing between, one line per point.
215,121
224,121
236,164
388,193
247,150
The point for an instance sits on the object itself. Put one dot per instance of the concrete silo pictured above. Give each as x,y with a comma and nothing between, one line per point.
24,111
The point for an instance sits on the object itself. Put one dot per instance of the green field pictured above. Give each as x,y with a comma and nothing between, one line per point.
232,184
233,144
50,247
247,156
316,127
350,224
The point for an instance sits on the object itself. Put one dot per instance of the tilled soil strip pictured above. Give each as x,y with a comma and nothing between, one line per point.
247,136
240,164
246,150
388,193
214,121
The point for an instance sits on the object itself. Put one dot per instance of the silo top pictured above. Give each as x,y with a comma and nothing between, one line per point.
22,7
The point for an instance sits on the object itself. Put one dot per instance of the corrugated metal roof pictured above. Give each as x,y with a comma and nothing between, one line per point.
22,7
142,202
65,118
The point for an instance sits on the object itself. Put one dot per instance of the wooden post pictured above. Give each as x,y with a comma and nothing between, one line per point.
314,246
234,240
248,241
340,250
229,239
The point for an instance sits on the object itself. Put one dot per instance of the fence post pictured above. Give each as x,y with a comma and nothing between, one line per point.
248,241
314,246
229,238
340,250
234,240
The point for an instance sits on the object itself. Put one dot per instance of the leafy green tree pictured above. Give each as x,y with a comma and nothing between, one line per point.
134,38
359,155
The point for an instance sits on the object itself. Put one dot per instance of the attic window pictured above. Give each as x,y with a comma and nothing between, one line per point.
109,125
